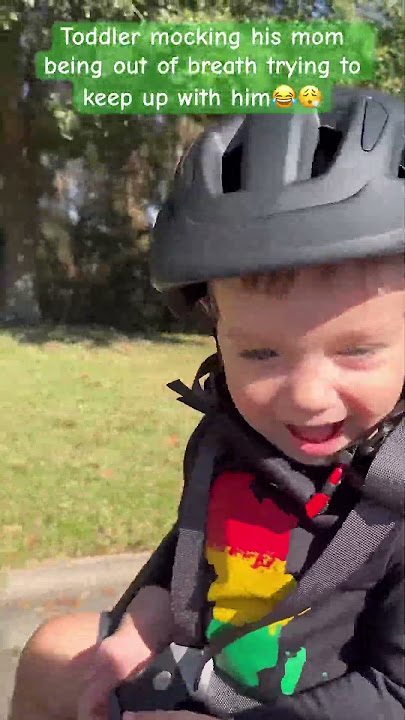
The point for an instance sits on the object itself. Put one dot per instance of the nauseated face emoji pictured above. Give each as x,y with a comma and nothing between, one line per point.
310,96
284,96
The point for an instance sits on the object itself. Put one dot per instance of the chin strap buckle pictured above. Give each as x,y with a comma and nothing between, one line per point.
319,502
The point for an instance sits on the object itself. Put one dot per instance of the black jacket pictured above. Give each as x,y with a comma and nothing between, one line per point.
354,639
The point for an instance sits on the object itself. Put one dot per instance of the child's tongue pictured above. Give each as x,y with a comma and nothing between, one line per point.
314,434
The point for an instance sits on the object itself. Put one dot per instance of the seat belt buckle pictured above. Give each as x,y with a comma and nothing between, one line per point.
319,502
159,686
190,663
169,680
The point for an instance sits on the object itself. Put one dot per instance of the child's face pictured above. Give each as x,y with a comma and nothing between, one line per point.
328,352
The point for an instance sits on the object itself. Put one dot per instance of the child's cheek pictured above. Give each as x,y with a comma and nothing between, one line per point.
253,398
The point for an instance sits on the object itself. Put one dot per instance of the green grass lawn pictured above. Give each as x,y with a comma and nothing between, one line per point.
91,440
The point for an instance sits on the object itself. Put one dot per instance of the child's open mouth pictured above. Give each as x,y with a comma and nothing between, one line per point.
320,433
317,440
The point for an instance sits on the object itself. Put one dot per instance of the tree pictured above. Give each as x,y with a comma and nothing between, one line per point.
123,163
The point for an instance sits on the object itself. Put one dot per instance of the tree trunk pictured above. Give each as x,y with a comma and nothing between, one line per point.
19,216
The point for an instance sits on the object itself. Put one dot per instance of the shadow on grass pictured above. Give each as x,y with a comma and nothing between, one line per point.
91,335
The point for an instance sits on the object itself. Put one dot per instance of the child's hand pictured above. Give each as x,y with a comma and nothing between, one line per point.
117,658
145,629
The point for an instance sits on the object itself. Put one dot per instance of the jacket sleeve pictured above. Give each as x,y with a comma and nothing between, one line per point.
374,690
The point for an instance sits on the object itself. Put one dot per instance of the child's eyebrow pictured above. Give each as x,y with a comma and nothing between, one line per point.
241,334
379,331
361,335
368,334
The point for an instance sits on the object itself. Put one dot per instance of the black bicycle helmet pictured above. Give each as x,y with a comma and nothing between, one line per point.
261,192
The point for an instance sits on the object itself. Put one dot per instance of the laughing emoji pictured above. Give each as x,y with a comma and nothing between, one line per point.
310,96
284,96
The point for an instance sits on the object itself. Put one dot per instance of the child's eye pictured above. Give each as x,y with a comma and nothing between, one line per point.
259,354
358,351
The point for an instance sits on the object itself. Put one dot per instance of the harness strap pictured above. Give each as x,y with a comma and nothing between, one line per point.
385,479
189,397
197,397
189,555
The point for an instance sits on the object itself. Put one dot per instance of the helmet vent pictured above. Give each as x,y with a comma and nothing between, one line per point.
326,150
232,169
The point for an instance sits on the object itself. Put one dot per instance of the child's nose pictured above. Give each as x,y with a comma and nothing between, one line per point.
311,388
